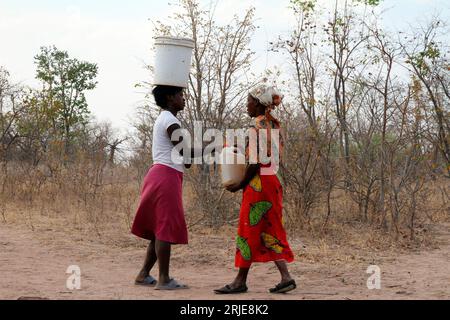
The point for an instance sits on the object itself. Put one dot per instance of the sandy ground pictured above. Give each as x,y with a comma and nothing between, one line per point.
33,267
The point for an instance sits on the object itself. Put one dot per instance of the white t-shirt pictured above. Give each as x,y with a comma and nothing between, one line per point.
162,145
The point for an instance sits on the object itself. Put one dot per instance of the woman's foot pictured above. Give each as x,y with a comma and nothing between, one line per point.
284,287
141,277
232,289
146,281
143,274
171,285
239,284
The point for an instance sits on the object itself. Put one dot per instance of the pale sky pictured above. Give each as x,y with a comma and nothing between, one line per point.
117,35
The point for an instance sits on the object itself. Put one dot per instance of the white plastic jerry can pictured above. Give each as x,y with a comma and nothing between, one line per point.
232,166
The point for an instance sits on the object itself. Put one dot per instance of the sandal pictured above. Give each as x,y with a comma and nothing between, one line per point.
284,287
172,285
148,282
228,290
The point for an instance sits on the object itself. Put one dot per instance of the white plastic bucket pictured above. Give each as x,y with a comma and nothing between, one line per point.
232,166
173,61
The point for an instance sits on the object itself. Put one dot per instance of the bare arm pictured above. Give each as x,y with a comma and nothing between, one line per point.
170,132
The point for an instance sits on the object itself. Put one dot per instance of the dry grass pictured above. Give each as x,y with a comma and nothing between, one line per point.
70,206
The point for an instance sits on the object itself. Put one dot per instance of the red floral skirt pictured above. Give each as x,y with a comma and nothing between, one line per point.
261,234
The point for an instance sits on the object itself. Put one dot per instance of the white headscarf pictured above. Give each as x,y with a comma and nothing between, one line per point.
267,96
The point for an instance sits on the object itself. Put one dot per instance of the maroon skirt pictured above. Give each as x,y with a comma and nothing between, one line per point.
160,214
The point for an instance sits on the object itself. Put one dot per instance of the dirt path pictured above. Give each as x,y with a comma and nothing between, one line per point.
30,267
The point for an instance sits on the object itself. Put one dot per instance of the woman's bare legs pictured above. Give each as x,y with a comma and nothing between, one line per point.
241,278
282,267
150,261
163,250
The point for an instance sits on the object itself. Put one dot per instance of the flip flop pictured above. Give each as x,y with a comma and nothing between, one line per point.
284,287
148,282
228,290
172,285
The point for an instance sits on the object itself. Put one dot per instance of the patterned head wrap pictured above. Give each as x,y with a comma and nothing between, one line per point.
269,97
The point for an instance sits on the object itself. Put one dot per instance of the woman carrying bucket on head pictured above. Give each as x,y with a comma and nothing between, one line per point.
160,216
261,235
